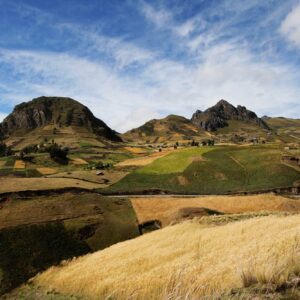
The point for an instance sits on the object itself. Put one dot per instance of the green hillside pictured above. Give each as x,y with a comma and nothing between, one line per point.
212,171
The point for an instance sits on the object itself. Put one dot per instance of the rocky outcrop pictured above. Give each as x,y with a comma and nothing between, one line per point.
218,116
56,111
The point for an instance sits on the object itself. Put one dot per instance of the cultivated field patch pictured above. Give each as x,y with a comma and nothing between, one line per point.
174,162
136,150
105,178
165,208
46,171
142,161
19,164
24,184
79,161
223,170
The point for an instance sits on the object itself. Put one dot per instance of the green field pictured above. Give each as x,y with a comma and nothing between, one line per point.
221,170
175,162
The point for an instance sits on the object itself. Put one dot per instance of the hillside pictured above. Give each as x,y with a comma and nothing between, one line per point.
286,129
53,118
222,122
189,261
172,128
212,170
38,231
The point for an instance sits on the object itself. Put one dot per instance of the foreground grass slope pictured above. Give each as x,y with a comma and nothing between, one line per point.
189,260
212,171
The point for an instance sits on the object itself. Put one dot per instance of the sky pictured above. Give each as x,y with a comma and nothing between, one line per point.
130,61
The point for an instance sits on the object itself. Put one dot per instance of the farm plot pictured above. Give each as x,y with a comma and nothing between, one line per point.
78,161
222,170
19,164
168,209
142,161
46,170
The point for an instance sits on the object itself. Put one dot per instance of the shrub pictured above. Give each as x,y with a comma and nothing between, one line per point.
58,153
5,150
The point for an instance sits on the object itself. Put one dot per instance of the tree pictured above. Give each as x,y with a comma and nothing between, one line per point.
5,150
30,149
211,142
58,153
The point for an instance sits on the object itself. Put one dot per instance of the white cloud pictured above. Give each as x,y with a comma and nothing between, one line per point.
290,27
121,52
186,28
159,17
160,88
101,89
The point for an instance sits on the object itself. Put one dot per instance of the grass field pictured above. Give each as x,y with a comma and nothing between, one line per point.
109,176
23,184
142,161
46,171
186,261
175,162
167,209
206,171
20,164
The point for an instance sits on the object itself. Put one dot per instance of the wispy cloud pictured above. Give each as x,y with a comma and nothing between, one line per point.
290,27
125,82
159,17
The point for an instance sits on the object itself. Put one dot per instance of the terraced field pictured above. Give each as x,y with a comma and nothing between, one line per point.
217,170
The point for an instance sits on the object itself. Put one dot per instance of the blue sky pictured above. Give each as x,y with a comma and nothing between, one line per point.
131,61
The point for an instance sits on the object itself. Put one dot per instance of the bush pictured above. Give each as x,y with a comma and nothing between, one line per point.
5,150
58,153
30,149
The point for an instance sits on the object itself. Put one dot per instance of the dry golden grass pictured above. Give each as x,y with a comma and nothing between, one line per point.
34,184
136,150
111,175
185,261
2,163
78,161
47,171
164,208
142,161
19,164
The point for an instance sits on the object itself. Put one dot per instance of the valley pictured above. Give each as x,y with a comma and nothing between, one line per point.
142,210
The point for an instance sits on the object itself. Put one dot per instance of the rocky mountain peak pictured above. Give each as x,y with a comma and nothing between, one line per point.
56,111
218,116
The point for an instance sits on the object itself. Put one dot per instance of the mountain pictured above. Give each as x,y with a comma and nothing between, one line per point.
54,114
171,128
218,116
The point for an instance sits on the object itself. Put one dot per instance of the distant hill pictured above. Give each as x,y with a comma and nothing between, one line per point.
287,129
218,116
53,116
223,122
171,128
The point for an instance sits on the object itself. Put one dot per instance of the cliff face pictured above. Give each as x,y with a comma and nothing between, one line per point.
218,115
58,111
